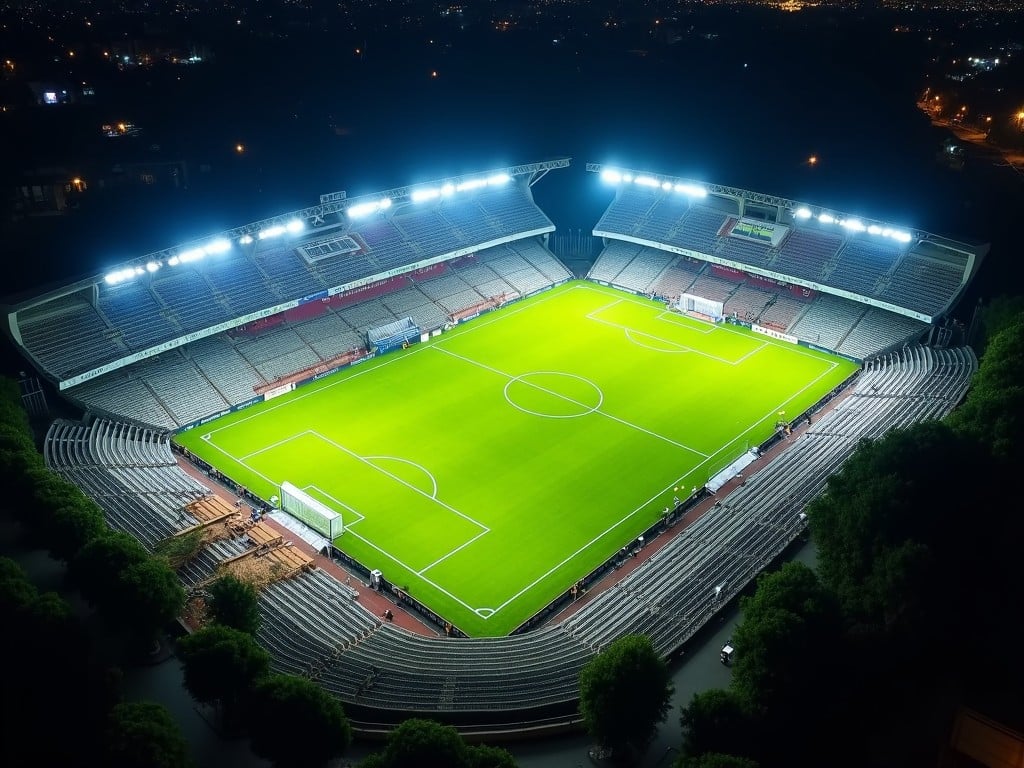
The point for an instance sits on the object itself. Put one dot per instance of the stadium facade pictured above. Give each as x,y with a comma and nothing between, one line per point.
177,338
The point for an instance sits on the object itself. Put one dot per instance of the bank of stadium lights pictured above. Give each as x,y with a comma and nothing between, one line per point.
293,227
213,248
853,225
448,189
611,176
360,210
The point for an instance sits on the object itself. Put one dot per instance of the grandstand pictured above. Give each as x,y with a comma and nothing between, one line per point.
177,338
803,270
314,626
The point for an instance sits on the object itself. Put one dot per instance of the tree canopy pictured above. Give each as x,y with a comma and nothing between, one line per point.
624,694
418,743
296,705
221,664
143,735
234,604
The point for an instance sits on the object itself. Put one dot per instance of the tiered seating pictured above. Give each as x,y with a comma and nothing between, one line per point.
195,306
265,351
677,278
743,251
698,231
67,336
827,321
612,260
922,284
313,626
288,274
747,303
862,262
329,335
185,393
131,474
123,393
158,304
782,312
540,258
663,217
232,375
132,309
714,288
641,272
805,252
623,215
879,330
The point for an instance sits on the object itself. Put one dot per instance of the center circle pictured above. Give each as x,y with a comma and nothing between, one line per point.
553,394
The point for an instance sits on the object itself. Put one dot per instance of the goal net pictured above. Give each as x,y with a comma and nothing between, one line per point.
305,508
688,302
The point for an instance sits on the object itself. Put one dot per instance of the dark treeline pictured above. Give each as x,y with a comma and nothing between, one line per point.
916,603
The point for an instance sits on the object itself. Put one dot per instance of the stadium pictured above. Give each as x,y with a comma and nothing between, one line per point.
412,388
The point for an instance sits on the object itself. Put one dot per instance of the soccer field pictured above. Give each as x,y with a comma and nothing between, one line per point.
488,469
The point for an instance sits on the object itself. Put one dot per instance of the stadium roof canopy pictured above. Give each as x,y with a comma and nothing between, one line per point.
899,269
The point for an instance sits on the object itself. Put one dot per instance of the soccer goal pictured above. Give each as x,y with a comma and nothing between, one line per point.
304,507
688,302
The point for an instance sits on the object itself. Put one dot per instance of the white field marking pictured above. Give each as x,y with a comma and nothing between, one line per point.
366,541
723,328
394,559
417,348
420,467
485,613
397,479
679,351
271,446
752,352
629,330
339,502
586,409
607,415
445,557
665,490
684,321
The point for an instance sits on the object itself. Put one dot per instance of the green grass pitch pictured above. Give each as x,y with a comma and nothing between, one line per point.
491,467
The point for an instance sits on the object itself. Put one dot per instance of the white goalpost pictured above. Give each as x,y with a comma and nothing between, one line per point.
689,302
313,513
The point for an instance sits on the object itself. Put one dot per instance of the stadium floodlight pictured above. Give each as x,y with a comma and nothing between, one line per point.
365,209
826,218
274,231
448,190
465,186
420,195
245,239
666,185
119,276
874,229
220,245
153,266
802,213
174,261
140,271
854,225
903,237
498,179
610,176
193,254
647,181
295,226
627,177
691,189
